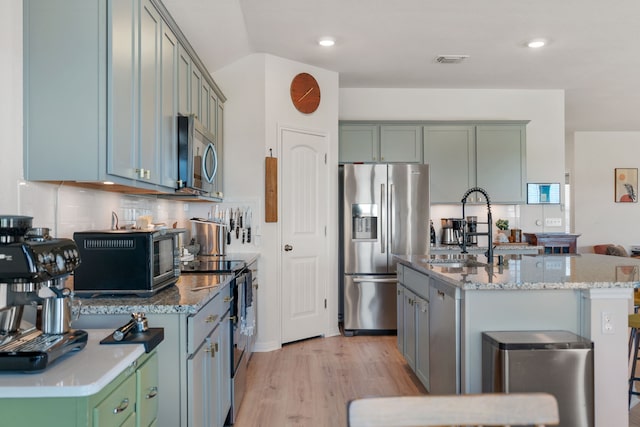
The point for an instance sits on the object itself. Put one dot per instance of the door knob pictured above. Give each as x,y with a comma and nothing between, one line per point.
288,248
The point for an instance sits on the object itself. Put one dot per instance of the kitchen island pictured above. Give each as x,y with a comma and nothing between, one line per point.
465,297
82,388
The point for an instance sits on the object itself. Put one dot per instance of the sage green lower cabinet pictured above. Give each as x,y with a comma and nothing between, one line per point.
129,400
194,361
413,321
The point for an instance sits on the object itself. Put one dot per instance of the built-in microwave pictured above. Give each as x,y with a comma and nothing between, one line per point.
121,262
197,158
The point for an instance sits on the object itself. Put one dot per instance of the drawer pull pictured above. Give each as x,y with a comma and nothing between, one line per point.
122,407
228,299
211,318
153,392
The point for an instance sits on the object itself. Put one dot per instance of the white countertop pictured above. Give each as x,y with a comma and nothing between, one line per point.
81,373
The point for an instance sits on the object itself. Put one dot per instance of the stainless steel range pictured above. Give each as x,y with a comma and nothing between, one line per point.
35,306
242,303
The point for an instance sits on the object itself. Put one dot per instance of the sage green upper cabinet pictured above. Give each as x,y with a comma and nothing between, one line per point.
450,152
358,143
400,144
219,181
134,143
196,92
184,81
103,83
491,156
380,143
501,162
170,61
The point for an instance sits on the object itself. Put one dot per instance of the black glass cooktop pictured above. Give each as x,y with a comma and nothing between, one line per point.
212,265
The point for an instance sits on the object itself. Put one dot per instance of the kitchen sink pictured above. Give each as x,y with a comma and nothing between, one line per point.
456,260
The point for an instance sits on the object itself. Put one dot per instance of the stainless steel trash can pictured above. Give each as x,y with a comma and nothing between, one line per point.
556,362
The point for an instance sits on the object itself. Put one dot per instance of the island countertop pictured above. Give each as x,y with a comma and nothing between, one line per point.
80,373
521,272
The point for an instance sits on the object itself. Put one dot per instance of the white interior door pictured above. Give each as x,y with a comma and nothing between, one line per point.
304,201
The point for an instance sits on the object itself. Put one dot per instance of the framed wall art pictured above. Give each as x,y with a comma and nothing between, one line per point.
626,185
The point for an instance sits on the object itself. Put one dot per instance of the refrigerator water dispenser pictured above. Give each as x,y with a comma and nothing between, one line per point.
364,222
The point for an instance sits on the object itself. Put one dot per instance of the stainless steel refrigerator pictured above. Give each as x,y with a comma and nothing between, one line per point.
385,212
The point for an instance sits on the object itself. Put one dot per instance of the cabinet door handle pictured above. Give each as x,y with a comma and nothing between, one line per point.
153,392
122,407
233,318
211,318
211,350
228,299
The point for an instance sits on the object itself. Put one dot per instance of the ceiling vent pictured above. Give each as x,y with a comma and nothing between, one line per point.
451,59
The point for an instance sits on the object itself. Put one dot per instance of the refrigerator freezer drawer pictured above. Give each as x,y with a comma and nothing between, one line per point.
369,303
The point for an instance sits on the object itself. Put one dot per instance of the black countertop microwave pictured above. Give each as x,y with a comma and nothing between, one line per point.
126,262
197,157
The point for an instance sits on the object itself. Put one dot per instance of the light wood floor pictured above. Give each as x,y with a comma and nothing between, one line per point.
309,383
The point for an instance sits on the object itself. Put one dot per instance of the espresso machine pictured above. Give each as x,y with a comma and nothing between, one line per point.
35,306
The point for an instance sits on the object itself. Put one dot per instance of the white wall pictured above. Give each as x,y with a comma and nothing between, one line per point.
258,88
599,218
545,132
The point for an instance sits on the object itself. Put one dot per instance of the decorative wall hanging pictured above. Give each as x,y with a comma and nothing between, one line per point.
626,185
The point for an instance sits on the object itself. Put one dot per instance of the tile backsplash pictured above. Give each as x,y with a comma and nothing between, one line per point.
65,209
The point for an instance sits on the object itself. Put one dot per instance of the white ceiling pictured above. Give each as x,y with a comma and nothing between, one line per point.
593,52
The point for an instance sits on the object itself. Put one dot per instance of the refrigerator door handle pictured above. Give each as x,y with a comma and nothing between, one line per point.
383,219
390,213
363,280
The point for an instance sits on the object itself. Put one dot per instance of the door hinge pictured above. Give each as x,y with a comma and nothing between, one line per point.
325,303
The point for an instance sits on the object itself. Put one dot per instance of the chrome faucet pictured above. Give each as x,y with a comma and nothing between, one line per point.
489,233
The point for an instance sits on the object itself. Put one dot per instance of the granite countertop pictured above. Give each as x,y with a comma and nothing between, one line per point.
81,373
547,272
506,248
190,293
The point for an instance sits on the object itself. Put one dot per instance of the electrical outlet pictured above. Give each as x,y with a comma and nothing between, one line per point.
607,323
553,222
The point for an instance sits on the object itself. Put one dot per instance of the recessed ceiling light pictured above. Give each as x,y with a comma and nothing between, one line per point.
537,43
327,41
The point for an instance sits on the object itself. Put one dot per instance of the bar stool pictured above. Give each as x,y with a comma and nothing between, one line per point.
634,342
